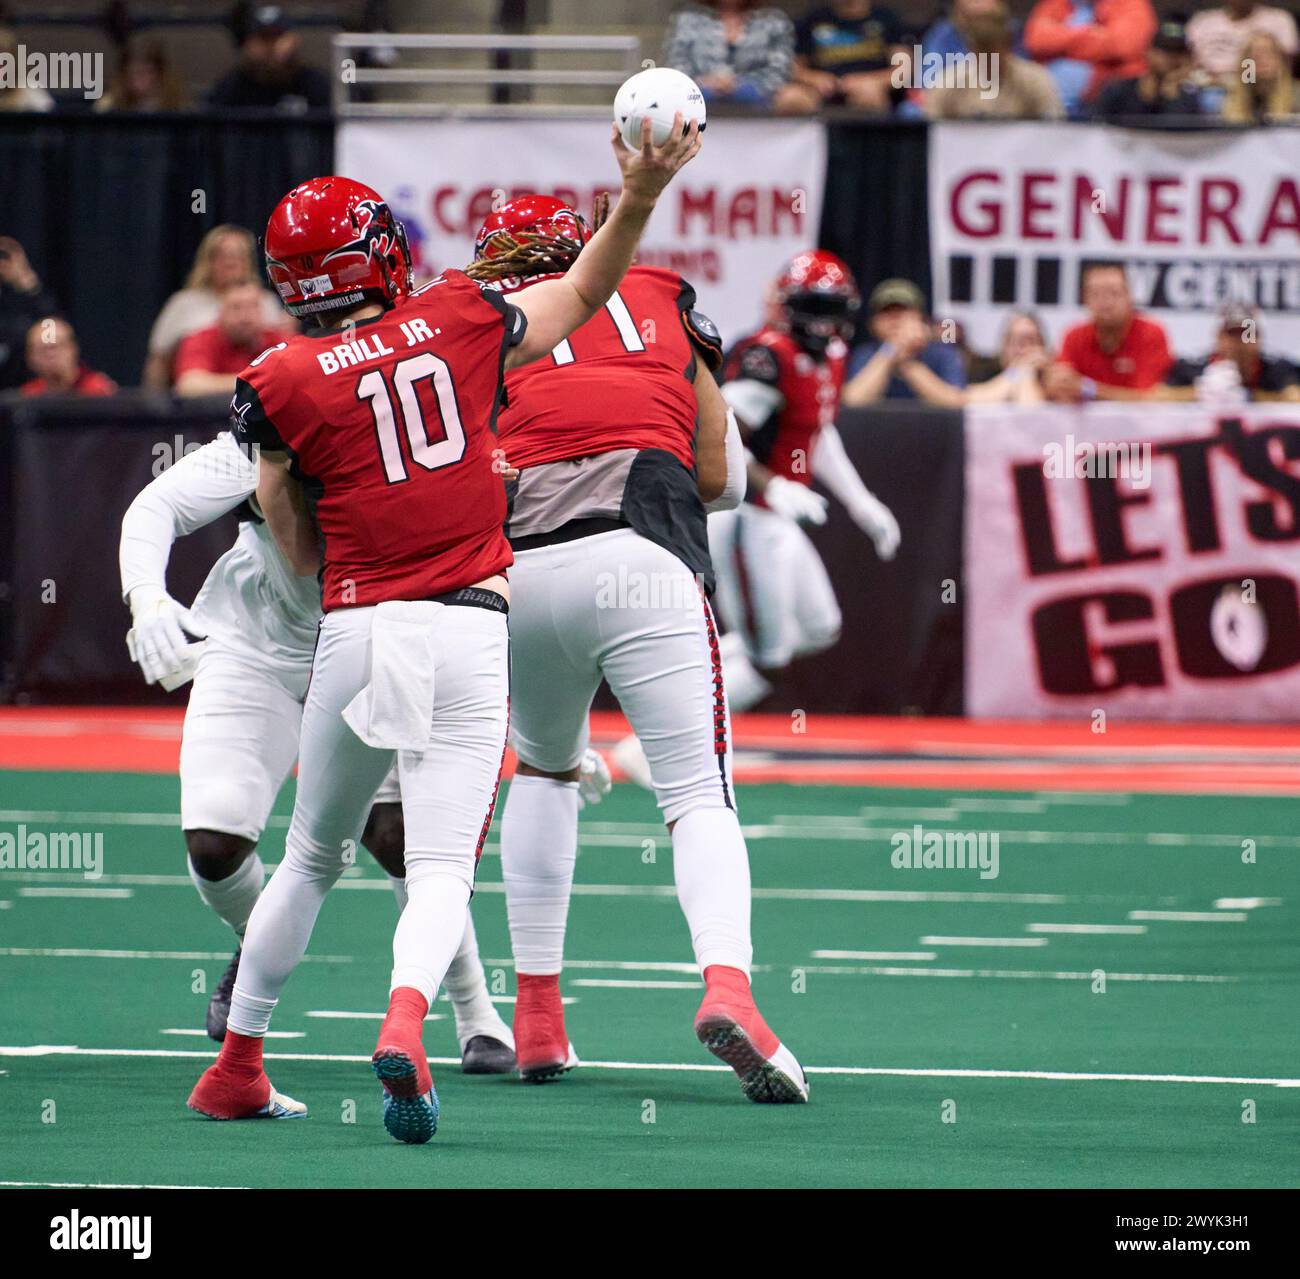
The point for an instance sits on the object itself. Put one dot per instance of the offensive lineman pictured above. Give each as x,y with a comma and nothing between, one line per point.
240,738
375,432
611,573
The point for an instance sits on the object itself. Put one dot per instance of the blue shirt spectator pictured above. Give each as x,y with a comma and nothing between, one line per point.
900,336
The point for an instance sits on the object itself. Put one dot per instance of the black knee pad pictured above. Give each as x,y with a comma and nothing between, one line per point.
217,855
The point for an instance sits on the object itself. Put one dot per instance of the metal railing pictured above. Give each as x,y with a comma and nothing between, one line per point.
620,53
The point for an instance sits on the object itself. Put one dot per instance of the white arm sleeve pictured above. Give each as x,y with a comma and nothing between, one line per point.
753,401
833,468
733,492
198,489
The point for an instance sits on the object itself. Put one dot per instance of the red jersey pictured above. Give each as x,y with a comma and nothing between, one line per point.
390,427
624,380
1140,361
213,352
785,396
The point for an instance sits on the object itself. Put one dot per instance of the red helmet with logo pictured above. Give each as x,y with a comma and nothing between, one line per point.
818,297
333,243
541,215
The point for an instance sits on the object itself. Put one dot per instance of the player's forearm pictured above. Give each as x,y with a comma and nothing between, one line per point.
832,467
604,261
284,508
710,437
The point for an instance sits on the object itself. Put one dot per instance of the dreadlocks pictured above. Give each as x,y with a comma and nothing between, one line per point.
531,253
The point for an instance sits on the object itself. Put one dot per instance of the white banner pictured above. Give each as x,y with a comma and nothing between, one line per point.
1199,219
1144,561
750,200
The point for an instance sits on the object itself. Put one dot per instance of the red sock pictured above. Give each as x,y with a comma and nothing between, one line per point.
728,989
531,987
241,1054
406,1012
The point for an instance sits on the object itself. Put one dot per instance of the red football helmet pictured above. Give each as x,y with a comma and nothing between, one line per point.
333,243
532,214
818,298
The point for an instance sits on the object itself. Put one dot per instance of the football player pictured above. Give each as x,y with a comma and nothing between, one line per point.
375,431
784,382
240,738
617,437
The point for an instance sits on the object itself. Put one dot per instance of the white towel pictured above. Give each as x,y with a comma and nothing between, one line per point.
395,710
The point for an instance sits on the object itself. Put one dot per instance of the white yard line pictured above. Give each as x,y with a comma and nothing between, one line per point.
80,952
875,954
1192,916
626,983
91,894
195,1033
984,941
1101,930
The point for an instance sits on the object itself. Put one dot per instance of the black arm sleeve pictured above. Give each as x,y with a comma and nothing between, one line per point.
249,423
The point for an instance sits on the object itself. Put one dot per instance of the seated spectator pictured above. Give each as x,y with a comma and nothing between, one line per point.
1018,89
1017,377
1217,36
885,368
1116,354
1168,87
23,300
735,53
12,96
948,36
208,361
1022,359
54,361
224,259
842,56
269,75
1264,88
1087,44
144,81
1237,369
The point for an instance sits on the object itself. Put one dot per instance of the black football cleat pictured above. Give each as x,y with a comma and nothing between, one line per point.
219,1004
484,1055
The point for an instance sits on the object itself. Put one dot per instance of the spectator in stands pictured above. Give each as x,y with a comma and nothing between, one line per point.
224,260
1167,87
54,361
1218,36
1264,88
1088,43
208,361
1116,354
144,81
1237,369
12,96
23,300
1021,90
735,52
1017,378
884,368
270,75
948,36
842,57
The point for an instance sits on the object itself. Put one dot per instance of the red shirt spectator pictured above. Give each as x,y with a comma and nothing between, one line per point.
88,382
1139,361
54,357
1115,42
208,361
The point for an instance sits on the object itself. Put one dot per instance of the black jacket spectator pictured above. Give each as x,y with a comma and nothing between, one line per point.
23,301
269,75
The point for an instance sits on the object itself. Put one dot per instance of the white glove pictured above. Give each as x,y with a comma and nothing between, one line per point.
594,781
877,521
795,501
157,639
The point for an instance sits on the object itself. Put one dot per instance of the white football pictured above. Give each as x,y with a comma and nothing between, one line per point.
657,95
